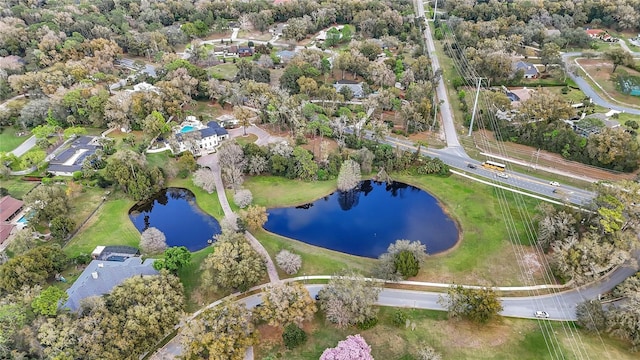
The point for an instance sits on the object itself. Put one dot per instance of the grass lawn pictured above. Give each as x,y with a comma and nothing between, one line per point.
207,202
503,338
243,140
9,140
226,71
158,159
110,225
485,255
84,202
190,278
16,187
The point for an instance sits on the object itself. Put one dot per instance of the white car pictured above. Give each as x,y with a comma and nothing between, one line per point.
554,183
541,314
502,175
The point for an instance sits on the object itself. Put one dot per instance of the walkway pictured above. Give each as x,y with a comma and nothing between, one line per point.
211,161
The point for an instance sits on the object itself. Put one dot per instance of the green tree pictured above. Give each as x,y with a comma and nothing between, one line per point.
478,305
220,333
618,56
550,54
175,258
49,300
591,316
406,264
286,303
304,166
349,298
293,336
132,174
61,226
74,131
234,264
34,267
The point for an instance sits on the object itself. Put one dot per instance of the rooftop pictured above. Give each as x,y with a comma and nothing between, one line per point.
8,207
100,277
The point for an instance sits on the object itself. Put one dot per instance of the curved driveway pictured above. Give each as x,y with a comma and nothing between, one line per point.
588,90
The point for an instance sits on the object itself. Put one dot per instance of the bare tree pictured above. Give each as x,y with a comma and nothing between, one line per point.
288,261
153,241
205,179
232,163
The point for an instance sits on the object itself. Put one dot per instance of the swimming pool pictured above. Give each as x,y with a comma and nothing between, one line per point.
25,218
117,258
186,129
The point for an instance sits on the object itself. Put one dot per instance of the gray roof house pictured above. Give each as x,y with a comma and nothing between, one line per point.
70,160
530,70
286,55
356,87
100,277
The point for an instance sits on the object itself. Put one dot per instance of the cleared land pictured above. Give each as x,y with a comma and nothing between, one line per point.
601,71
503,338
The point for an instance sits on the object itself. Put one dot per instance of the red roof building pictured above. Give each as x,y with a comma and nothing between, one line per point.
9,208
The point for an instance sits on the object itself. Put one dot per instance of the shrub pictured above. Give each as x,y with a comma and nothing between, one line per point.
367,324
293,336
243,198
399,318
289,262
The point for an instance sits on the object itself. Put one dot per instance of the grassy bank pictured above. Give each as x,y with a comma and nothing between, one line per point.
504,338
9,139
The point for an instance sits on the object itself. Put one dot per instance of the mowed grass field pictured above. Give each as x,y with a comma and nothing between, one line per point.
503,338
9,139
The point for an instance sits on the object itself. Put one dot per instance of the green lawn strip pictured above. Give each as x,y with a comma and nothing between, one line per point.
16,187
84,203
480,256
190,277
243,140
504,338
110,225
315,260
206,202
9,140
159,159
226,71
273,191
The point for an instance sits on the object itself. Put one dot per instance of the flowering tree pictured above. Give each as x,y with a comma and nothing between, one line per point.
153,241
243,198
289,262
349,176
353,348
205,179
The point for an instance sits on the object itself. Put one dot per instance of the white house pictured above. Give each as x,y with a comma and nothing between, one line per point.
193,136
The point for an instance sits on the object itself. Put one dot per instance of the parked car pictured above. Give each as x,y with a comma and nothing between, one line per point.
554,183
502,175
541,314
471,166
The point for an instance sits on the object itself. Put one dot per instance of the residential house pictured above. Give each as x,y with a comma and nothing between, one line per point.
600,34
70,160
100,277
519,95
232,50
9,210
206,138
285,55
356,87
245,51
322,35
530,71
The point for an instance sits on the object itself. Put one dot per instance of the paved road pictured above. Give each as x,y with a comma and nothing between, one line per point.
24,147
445,106
588,90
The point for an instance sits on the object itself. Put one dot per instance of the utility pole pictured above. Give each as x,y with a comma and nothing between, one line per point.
435,10
475,106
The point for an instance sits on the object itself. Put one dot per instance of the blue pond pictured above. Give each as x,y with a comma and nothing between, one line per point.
364,221
174,212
